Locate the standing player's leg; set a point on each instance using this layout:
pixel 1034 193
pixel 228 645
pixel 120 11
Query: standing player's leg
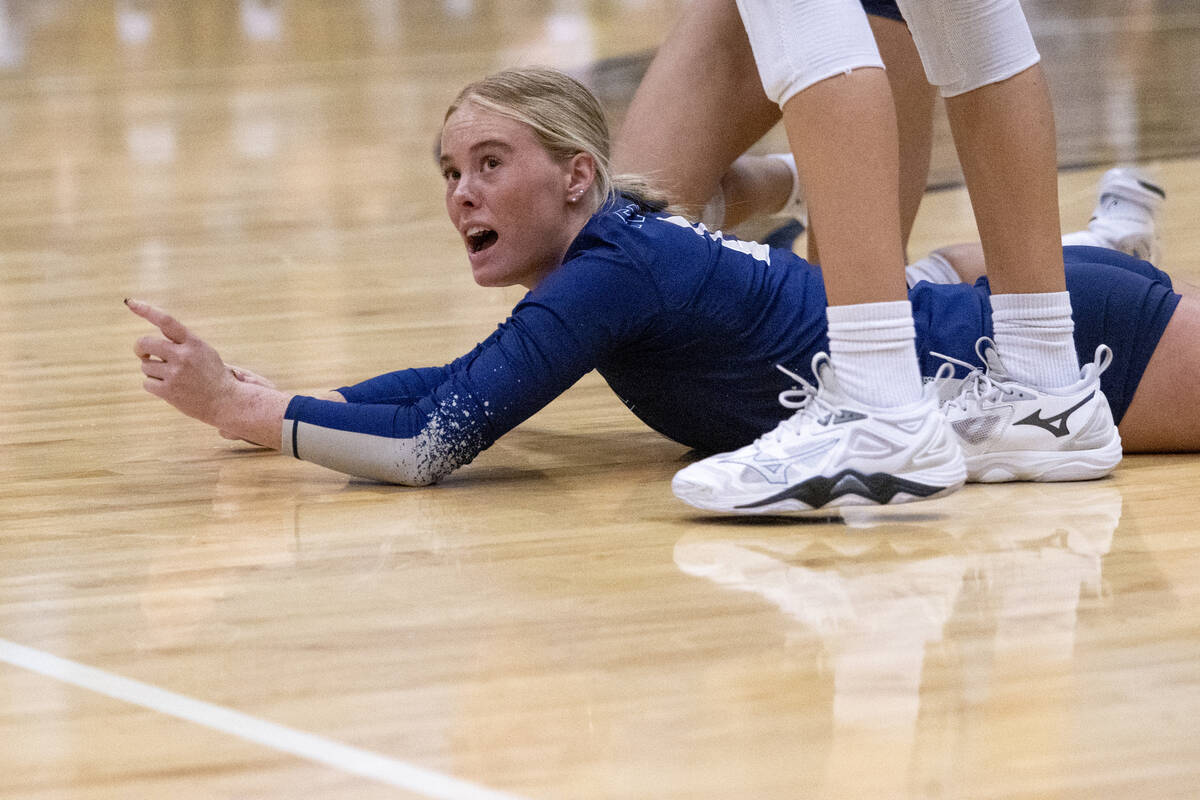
pixel 867 433
pixel 759 188
pixel 982 56
pixel 1004 133
pixel 913 97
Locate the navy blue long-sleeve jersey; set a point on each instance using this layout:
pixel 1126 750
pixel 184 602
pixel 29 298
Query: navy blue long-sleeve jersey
pixel 686 326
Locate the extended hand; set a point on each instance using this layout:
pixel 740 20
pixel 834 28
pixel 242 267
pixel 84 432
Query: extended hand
pixel 184 370
pixel 181 368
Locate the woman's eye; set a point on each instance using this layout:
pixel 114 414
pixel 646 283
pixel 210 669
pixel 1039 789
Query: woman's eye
pixel 491 163
pixel 450 174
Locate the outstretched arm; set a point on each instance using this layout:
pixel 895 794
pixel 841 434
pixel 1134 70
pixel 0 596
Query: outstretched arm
pixel 411 427
pixel 187 372
pixel 383 441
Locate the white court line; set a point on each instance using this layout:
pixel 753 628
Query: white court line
pixel 288 740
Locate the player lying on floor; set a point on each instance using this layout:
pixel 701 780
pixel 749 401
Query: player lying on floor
pixel 684 324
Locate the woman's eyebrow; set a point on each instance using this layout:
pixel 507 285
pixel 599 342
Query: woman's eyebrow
pixel 486 144
pixel 490 144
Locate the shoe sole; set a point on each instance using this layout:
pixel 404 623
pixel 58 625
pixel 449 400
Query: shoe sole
pixel 821 493
pixel 1043 467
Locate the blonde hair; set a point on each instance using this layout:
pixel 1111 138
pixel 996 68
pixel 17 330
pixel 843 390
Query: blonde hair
pixel 566 118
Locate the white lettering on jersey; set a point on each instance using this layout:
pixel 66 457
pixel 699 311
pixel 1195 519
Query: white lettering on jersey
pixel 758 251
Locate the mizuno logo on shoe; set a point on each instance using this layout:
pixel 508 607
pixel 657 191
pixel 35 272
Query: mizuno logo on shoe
pixel 1057 424
pixel 774 469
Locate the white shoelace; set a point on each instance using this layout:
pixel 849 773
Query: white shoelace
pixel 807 402
pixel 984 387
pixel 977 383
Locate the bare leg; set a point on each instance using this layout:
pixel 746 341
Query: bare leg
pixel 1004 134
pixel 914 98
pixel 843 132
pixel 1162 416
pixel 699 107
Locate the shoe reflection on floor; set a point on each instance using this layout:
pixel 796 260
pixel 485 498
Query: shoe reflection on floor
pixel 992 577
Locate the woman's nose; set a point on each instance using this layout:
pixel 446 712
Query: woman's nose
pixel 464 192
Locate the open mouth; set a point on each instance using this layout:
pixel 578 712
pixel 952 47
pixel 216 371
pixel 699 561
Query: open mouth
pixel 480 239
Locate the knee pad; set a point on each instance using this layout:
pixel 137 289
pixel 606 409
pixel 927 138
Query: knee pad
pixel 797 44
pixel 966 44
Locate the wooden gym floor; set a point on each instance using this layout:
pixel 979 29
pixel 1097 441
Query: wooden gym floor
pixel 181 617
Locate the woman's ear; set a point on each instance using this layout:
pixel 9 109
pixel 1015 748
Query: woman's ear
pixel 581 176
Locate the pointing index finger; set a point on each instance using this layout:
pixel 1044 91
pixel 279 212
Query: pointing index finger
pixel 172 328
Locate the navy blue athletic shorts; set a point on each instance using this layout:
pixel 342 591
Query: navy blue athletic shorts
pixel 883 8
pixel 1118 300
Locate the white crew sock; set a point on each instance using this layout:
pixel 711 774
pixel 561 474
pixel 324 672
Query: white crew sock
pixel 1034 337
pixel 872 347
